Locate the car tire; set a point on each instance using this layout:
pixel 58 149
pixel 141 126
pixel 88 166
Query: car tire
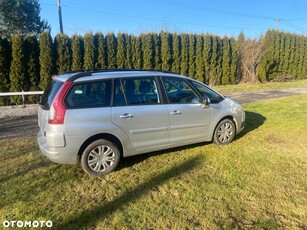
pixel 224 132
pixel 100 158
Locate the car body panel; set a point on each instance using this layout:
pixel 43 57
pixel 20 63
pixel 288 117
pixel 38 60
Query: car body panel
pixel 146 127
pixel 189 122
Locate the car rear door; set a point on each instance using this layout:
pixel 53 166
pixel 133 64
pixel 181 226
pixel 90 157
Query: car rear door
pixel 138 111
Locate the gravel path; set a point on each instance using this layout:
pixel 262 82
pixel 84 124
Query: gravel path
pixel 18 121
pixel 17 111
pixel 264 95
pixel 21 121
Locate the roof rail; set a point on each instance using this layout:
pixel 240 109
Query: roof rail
pixel 89 72
pixel 114 70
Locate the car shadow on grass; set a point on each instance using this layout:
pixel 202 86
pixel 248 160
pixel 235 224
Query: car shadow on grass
pixel 128 162
pixel 28 184
pixel 25 170
pixel 90 218
pixel 252 121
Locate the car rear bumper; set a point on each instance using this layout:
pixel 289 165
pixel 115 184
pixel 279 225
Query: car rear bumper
pixel 56 155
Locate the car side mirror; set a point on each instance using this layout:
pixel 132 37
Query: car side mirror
pixel 205 102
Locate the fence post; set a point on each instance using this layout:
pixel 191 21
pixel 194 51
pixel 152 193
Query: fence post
pixel 23 99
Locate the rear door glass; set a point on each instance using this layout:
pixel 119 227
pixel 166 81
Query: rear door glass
pixel 136 91
pixel 49 94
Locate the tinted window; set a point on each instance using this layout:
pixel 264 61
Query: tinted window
pixel 205 91
pixel 49 94
pixel 89 94
pixel 178 91
pixel 136 91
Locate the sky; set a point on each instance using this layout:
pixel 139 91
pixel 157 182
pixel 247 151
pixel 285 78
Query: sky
pixel 222 17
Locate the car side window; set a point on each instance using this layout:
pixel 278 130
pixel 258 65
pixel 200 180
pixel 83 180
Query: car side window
pixel 136 91
pixel 89 94
pixel 178 91
pixel 205 91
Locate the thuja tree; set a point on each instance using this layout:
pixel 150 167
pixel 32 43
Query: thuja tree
pixel 166 50
pixel 200 66
pixel 302 56
pixel 89 51
pixel 267 62
pixel 226 55
pixel 233 60
pixel 304 73
pixel 240 54
pixel 100 51
pixel 137 55
pixel 176 54
pixel 129 55
pixel 207 53
pixel 293 55
pixel 276 55
pixel 63 53
pixel 147 50
pixel 157 51
pixel 184 64
pixel 32 64
pixel 282 46
pixel 214 61
pixel 5 61
pixel 111 44
pixel 192 56
pixel 286 54
pixel 18 80
pixel 77 48
pixel 219 60
pixel 121 50
pixel 45 59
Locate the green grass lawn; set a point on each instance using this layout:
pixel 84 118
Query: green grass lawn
pixel 257 182
pixel 228 89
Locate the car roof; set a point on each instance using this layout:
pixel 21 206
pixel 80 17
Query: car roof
pixel 78 76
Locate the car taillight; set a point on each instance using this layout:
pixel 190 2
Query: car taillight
pixel 58 109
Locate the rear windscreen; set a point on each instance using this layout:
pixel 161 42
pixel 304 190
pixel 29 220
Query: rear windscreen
pixel 49 94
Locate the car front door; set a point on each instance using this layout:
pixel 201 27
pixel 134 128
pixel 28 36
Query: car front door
pixel 138 111
pixel 189 119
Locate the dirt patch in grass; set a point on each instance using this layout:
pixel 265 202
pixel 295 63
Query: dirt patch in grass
pixel 275 140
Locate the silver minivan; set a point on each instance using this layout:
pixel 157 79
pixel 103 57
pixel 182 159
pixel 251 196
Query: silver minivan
pixel 98 117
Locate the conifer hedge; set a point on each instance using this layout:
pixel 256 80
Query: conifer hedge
pixel 26 63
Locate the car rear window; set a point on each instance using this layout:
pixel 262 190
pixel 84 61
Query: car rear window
pixel 89 94
pixel 49 94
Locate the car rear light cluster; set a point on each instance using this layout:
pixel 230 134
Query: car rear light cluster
pixel 58 109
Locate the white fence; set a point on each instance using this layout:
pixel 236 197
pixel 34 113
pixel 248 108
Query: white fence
pixel 21 94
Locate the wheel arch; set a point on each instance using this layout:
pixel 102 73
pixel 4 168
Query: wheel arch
pixel 105 136
pixel 223 118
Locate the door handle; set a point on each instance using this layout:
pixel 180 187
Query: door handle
pixel 126 115
pixel 176 112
